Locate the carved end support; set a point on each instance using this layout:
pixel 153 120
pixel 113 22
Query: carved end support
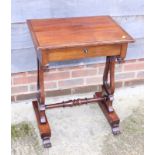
pixel 112 117
pixel 44 128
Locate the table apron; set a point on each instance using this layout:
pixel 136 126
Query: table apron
pixel 55 55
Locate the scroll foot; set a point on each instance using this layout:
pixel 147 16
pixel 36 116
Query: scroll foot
pixel 44 128
pixel 116 130
pixel 112 117
pixel 46 142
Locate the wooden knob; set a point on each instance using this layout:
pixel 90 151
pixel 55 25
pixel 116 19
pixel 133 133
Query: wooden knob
pixel 85 50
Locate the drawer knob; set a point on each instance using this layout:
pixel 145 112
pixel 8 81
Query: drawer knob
pixel 85 50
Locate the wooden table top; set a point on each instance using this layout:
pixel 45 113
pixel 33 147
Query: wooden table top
pixel 78 31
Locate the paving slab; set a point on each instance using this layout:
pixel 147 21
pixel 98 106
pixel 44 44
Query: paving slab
pixel 82 130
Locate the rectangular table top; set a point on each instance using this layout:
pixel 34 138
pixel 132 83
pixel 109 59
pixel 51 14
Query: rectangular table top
pixel 77 31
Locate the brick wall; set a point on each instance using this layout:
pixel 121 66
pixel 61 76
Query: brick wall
pixel 77 79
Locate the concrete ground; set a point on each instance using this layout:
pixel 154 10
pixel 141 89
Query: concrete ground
pixel 82 130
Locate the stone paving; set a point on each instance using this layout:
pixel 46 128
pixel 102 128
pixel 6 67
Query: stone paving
pixel 82 130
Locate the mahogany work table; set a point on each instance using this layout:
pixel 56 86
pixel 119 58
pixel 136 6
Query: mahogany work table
pixel 60 39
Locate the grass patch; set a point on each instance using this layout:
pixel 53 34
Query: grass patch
pixel 131 140
pixel 25 139
pixel 21 130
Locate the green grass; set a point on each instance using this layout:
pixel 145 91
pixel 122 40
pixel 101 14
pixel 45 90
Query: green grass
pixel 21 130
pixel 131 140
pixel 25 139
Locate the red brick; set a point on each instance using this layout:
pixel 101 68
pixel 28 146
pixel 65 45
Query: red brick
pixel 21 74
pixel 84 72
pixel 70 68
pixel 19 89
pixel 50 85
pixel 134 82
pixel 47 94
pixel 33 87
pixel 70 83
pixel 101 70
pixel 47 85
pixel 118 68
pixel 58 92
pixel 134 66
pixel 51 70
pixel 141 59
pixel 99 81
pixel 95 65
pixel 32 73
pixel 26 97
pixel 11 81
pixel 12 98
pixel 140 74
pixel 84 89
pixel 118 84
pixel 24 80
pixel 130 61
pixel 121 76
pixel 57 76
pixel 94 80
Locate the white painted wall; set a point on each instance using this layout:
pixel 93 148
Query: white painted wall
pixel 128 13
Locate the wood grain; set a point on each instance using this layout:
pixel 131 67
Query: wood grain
pixel 20 36
pixel 85 52
pixel 123 50
pixel 76 32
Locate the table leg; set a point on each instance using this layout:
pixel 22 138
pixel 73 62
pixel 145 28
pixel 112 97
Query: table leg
pixel 108 92
pixel 39 108
pixel 41 93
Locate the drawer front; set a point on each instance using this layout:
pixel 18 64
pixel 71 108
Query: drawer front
pixel 85 52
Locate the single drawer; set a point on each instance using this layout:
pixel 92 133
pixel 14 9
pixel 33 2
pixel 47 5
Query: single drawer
pixel 82 52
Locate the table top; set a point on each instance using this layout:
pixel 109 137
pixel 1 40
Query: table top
pixel 77 31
